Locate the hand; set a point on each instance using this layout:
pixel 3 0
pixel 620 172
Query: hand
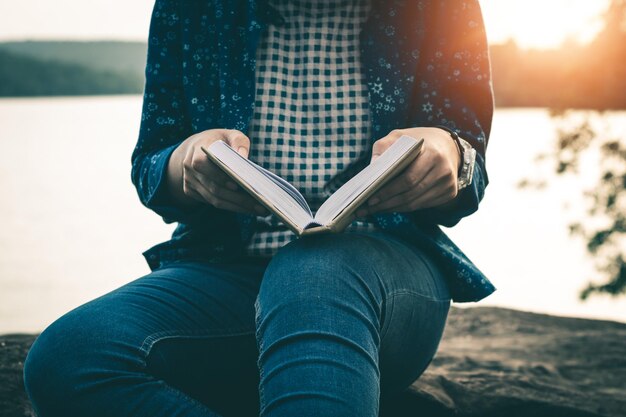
pixel 193 178
pixel 429 181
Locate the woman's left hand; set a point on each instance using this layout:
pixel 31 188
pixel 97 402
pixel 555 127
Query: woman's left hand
pixel 429 181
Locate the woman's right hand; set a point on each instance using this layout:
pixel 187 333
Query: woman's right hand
pixel 193 177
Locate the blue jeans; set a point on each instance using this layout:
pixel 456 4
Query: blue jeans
pixel 329 327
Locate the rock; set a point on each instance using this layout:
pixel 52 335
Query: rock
pixel 491 362
pixel 13 399
pixel 499 362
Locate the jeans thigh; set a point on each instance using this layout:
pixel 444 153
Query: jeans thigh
pixel 189 300
pixel 218 371
pixel 414 313
pixel 168 337
pixel 389 286
pixel 206 345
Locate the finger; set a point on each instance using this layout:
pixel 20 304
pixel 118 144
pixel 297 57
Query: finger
pixel 198 162
pixel 434 197
pixel 220 197
pixel 443 178
pixel 222 204
pixel 413 176
pixel 237 198
pixel 439 175
pixel 382 144
pixel 195 195
pixel 198 192
pixel 379 147
pixel 240 198
pixel 239 142
pixel 205 170
pixel 212 173
pixel 404 199
pixel 226 205
pixel 412 180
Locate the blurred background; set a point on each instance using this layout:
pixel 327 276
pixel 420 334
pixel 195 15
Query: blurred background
pixel 549 233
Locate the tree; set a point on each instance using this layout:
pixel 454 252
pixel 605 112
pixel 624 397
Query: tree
pixel 607 57
pixel 604 227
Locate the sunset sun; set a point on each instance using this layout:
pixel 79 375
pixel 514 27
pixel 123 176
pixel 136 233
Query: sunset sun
pixel 543 24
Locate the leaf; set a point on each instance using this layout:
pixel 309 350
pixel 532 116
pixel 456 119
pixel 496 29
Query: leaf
pixel 597 240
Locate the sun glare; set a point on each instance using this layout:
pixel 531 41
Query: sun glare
pixel 543 23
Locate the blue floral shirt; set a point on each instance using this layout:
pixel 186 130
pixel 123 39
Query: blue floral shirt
pixel 425 62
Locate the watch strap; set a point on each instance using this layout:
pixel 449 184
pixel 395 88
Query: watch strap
pixel 468 158
pixel 457 140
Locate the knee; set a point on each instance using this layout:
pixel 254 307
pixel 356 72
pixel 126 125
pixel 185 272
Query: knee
pixel 47 371
pixel 324 267
pixel 325 283
pixel 63 359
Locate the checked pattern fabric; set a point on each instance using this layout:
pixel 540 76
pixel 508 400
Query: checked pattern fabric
pixel 311 123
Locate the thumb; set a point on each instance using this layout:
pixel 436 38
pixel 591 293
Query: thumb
pixel 239 142
pixel 380 146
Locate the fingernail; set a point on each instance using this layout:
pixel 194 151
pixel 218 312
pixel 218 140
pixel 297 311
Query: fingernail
pixel 374 157
pixel 231 185
pixel 373 201
pixel 242 151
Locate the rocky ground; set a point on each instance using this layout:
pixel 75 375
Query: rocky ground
pixel 491 363
pixel 13 400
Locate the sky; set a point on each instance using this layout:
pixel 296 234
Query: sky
pixel 531 23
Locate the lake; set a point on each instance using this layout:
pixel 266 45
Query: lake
pixel 73 228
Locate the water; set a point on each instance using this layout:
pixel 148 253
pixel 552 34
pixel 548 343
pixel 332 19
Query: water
pixel 73 228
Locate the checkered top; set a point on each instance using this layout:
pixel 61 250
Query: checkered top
pixel 311 123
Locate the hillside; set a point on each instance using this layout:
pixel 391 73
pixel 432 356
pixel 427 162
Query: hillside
pixel 121 57
pixel 22 75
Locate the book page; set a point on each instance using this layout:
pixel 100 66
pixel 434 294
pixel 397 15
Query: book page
pixel 285 185
pixel 282 195
pixel 360 183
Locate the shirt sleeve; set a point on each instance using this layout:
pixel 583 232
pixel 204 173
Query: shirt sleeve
pixel 164 124
pixel 454 89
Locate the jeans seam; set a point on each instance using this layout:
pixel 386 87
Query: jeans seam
pixel 190 400
pixel 154 338
pixel 417 294
pixel 259 341
pixel 405 292
pixel 384 329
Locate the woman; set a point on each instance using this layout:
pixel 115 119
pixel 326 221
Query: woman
pixel 239 317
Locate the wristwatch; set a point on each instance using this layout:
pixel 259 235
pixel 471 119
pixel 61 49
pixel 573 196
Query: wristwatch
pixel 467 166
pixel 468 158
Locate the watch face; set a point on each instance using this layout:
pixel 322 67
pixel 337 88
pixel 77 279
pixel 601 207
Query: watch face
pixel 466 145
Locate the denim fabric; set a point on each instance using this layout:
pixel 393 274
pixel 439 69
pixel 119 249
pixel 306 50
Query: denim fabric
pixel 329 327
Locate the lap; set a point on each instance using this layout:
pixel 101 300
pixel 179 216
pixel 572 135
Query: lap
pixel 203 299
pixel 192 324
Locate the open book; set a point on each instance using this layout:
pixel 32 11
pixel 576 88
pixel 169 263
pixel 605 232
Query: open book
pixel 286 202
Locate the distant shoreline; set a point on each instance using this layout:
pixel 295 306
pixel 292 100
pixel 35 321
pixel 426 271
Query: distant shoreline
pixel 139 95
pixel 71 97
